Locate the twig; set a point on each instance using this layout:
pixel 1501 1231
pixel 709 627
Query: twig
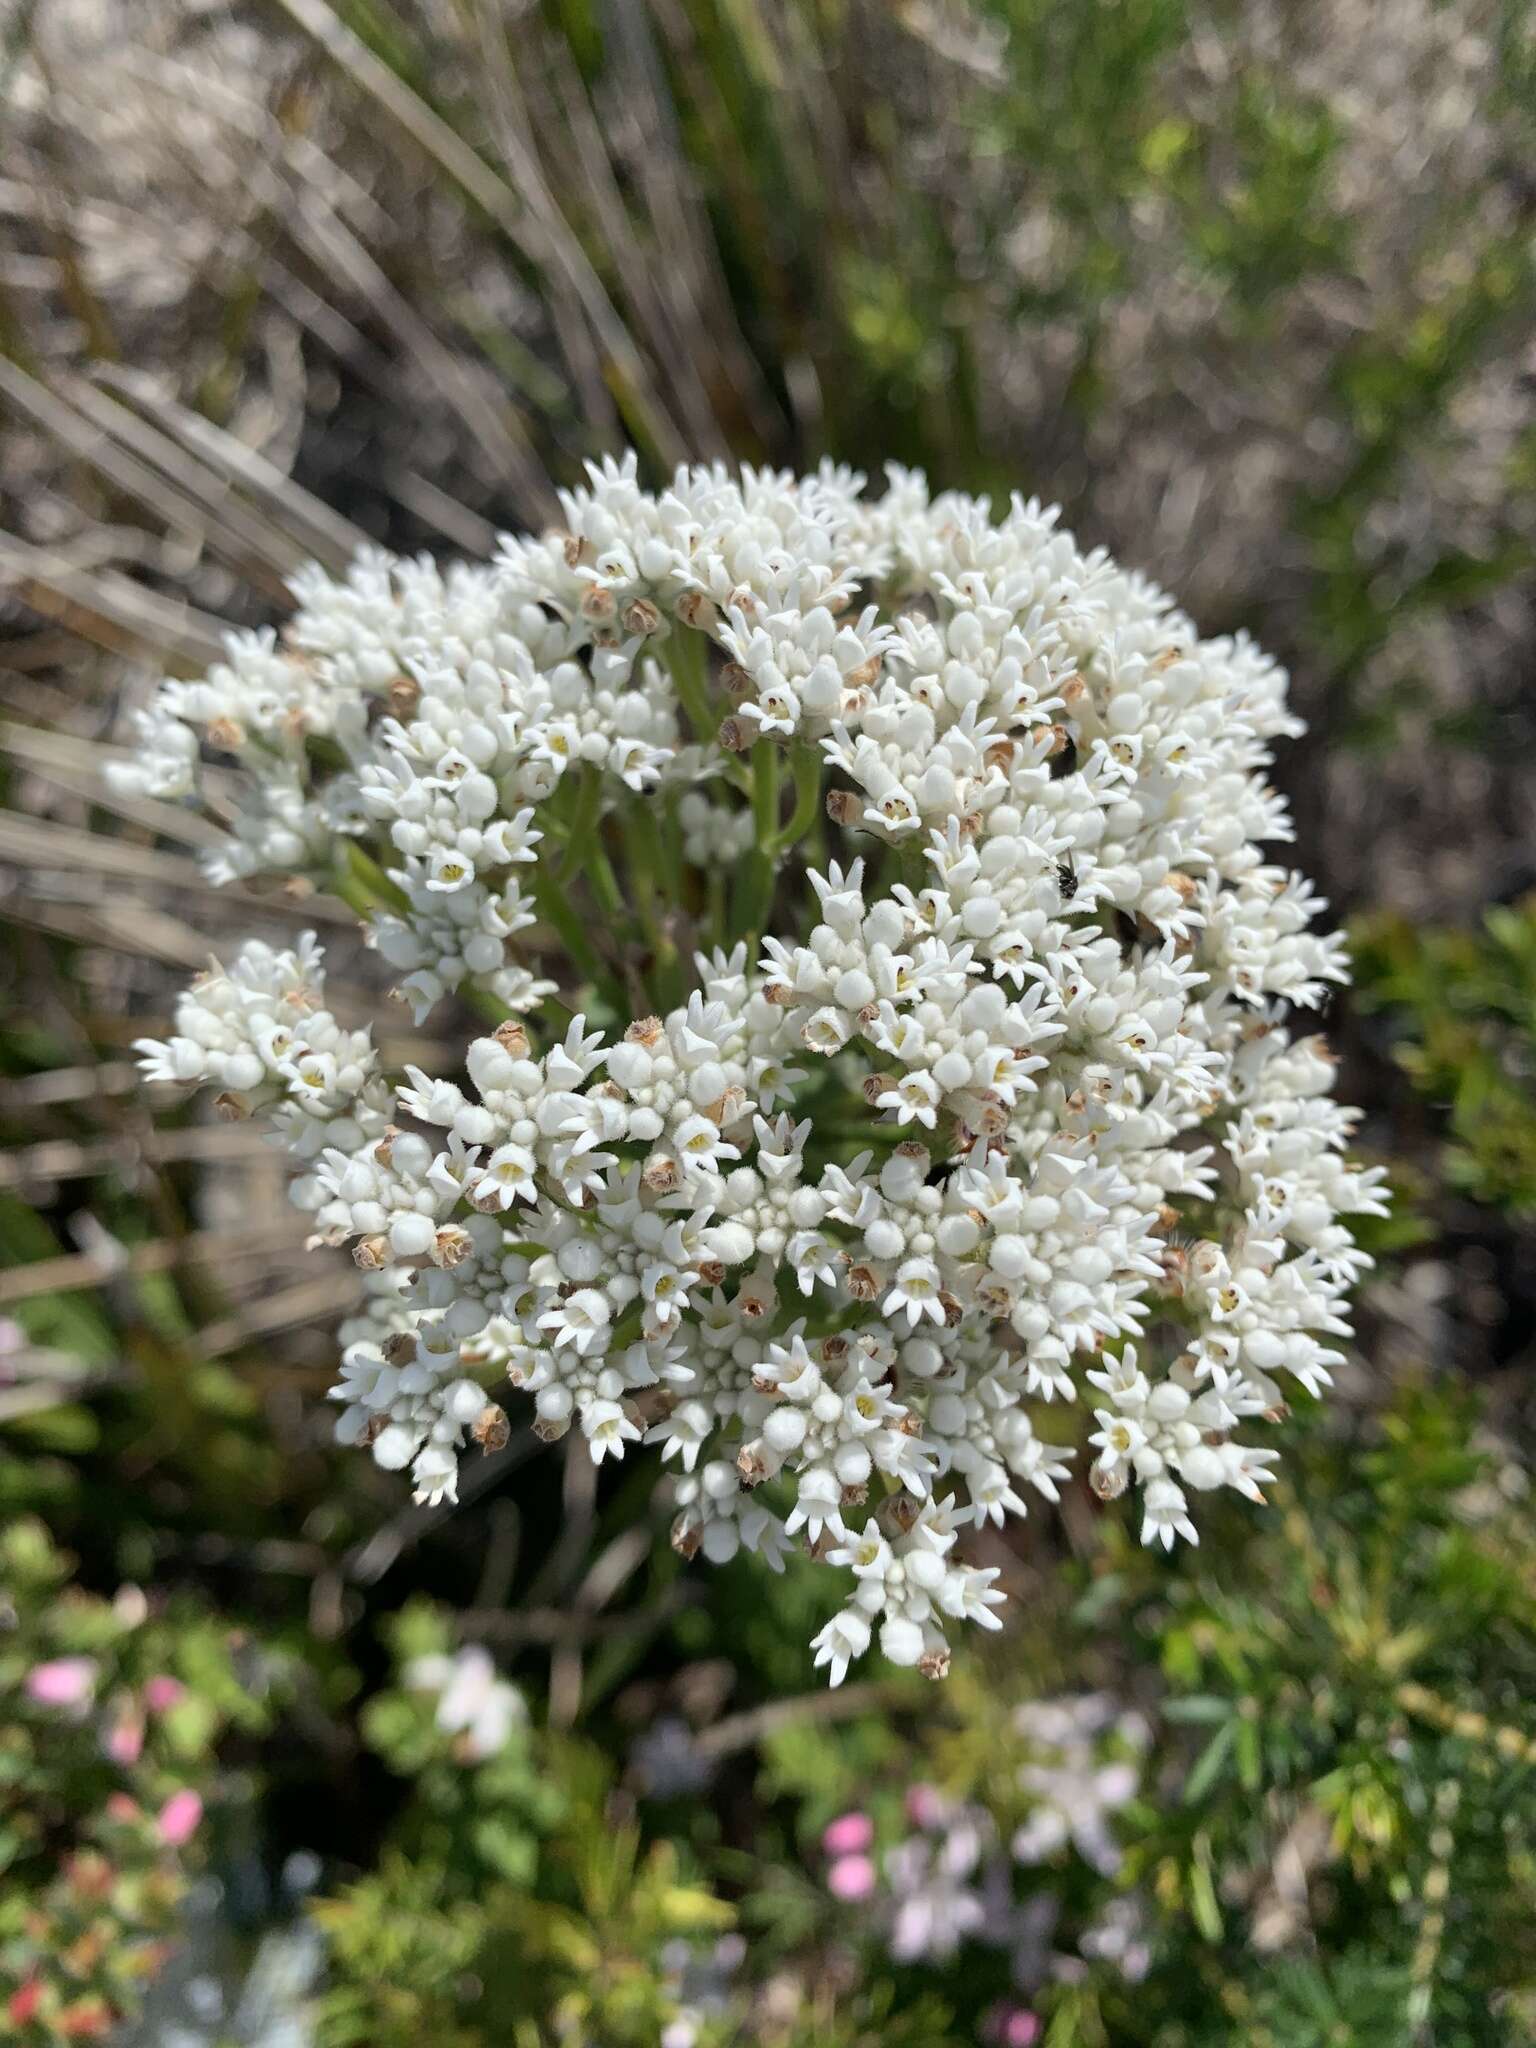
pixel 742 1731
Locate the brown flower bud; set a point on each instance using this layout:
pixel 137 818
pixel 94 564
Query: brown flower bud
pixel 934 1663
pixel 901 1511
pixel 641 618
pixel 727 1108
pixel 735 735
pixel 227 734
pixel 512 1037
pixel 661 1174
pixel 862 1282
pixel 686 1538
pixel 399 1347
pixel 452 1246
pixel 993 1120
pixel 1175 1264
pixel 403 696
pixel 698 611
pixel 491 1430
pixel 550 1428
pixel 230 1108
pixel 1108 1481
pixel 844 807
pixel 371 1253
pixel 598 603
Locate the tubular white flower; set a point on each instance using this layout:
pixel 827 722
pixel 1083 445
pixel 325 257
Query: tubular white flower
pixel 1002 1107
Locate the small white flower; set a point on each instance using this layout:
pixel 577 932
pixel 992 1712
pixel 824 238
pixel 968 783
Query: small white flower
pixel 473 1702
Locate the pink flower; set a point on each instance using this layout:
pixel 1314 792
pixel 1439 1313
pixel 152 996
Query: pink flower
pixel 125 1738
pixel 179 1818
pixel 66 1682
pixel 24 2003
pixel 1011 2026
pixel 162 1693
pixel 851 1877
pixel 849 1835
pixel 926 1806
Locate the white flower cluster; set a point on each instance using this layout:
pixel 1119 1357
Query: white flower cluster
pixel 894 1009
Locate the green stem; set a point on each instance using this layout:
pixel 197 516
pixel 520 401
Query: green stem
pixel 555 906
pixel 688 659
pixel 362 884
pixel 765 793
pixel 911 860
pixel 806 761
pixel 584 819
pixel 585 850
pixel 647 861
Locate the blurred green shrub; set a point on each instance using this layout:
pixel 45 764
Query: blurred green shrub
pixel 1461 1006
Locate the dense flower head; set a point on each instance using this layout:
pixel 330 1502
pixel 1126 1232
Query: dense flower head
pixel 895 1042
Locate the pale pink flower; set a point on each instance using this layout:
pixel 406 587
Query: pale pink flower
pixel 849 1835
pixel 163 1692
pixel 926 1806
pixel 65 1682
pixel 179 1818
pixel 124 1741
pixel 851 1878
pixel 1012 2026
